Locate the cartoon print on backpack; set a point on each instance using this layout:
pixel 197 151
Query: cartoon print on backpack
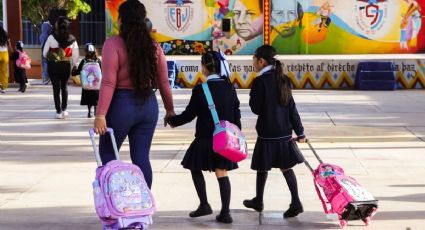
pixel 91 76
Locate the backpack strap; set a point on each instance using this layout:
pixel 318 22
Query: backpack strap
pixel 211 104
pixel 325 206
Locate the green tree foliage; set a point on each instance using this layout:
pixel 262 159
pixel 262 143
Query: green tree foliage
pixel 37 11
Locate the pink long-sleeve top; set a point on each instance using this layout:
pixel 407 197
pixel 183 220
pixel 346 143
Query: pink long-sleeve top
pixel 116 74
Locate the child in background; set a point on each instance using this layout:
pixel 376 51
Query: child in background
pixel 89 97
pixel 20 73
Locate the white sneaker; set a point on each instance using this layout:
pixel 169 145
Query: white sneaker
pixel 65 113
pixel 59 116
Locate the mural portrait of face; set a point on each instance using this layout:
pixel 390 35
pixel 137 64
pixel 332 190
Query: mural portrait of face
pixel 286 16
pixel 248 18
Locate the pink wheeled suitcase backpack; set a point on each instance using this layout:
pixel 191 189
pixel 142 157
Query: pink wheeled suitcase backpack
pixel 228 140
pixel 121 196
pixel 347 198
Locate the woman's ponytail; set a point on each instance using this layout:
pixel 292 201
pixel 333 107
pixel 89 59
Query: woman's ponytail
pixel 283 84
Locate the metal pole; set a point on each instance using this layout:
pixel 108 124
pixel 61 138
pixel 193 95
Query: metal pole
pixel 14 25
pixel 4 14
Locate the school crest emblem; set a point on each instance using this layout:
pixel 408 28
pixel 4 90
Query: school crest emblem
pixel 179 14
pixel 371 15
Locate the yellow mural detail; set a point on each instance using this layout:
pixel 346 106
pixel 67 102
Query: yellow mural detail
pixel 411 83
pixel 325 81
pixel 188 82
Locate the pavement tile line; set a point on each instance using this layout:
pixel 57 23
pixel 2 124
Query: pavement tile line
pixel 378 137
pixel 20 194
pixel 420 138
pixel 359 161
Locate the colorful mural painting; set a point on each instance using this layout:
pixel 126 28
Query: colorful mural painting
pixel 247 20
pixel 189 27
pixel 183 27
pixel 291 26
pixel 308 74
pixel 347 27
pixel 111 15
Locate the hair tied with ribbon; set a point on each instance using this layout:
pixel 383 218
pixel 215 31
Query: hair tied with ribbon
pixel 224 64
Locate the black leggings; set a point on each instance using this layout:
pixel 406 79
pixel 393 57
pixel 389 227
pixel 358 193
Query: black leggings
pixel 60 84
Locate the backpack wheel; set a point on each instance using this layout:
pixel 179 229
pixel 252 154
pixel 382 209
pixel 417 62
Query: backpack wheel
pixel 343 223
pixel 367 221
pixel 374 210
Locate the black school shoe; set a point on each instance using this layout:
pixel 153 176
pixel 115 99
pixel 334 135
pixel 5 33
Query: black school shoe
pixel 293 210
pixel 254 204
pixel 203 210
pixel 225 218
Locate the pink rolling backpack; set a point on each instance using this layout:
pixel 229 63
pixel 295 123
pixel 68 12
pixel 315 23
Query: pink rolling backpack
pixel 228 140
pixel 347 198
pixel 121 196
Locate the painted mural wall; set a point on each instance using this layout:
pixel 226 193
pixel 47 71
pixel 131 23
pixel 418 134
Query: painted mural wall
pixel 191 27
pixel 347 26
pixel 291 26
pixel 308 74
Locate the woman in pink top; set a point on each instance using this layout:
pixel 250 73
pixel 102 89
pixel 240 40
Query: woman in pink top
pixel 133 68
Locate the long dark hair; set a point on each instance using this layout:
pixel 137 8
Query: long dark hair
pixel 268 53
pixel 140 46
pixel 62 34
pixel 4 38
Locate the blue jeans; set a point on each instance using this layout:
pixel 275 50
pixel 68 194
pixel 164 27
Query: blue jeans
pixel 44 73
pixel 128 116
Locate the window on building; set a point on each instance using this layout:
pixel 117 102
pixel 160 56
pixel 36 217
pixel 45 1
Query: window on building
pixel 92 25
pixel 30 37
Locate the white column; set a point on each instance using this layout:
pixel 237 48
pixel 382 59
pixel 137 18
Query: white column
pixel 5 14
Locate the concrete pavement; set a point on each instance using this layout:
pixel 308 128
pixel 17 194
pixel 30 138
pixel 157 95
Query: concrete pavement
pixel 47 165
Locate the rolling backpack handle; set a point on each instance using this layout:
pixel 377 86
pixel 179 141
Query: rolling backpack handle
pixel 314 152
pixel 96 149
pixel 316 186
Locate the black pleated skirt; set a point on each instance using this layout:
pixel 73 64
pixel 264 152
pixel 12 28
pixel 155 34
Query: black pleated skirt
pixel 268 154
pixel 89 97
pixel 200 156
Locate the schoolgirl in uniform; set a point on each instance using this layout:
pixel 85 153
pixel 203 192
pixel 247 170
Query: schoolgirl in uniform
pixel 200 155
pixel 90 98
pixel 20 73
pixel 272 101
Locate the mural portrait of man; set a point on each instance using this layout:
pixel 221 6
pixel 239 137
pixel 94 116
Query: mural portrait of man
pixel 247 28
pixel 248 18
pixel 286 25
pixel 286 16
